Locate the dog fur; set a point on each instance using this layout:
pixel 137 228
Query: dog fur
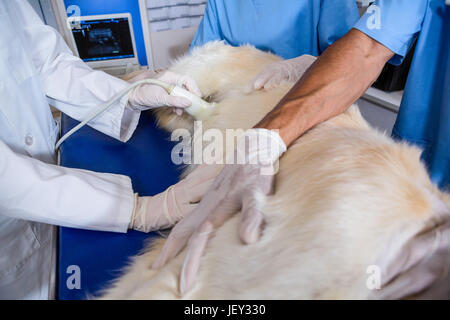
pixel 346 195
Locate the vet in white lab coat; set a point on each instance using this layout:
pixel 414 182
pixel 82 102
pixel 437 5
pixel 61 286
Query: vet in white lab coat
pixel 37 68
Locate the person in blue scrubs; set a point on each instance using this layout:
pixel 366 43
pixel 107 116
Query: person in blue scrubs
pixel 424 117
pixel 337 79
pixel 288 28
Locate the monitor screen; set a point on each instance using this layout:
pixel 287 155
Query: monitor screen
pixel 104 39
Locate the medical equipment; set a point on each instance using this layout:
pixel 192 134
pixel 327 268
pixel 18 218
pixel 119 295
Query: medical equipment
pixel 105 42
pixel 199 109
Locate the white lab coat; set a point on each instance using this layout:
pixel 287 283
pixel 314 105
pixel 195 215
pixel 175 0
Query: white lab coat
pixel 37 68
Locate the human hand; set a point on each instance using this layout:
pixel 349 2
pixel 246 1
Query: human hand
pixel 167 208
pixel 149 96
pixel 237 187
pixel 287 70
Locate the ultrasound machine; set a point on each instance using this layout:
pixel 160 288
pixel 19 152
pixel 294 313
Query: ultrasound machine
pixel 106 42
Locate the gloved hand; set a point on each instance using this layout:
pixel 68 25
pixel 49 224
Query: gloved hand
pixel 150 96
pixel 167 208
pixel 237 187
pixel 421 268
pixel 287 70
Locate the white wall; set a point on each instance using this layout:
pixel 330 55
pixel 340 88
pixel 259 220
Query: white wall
pixel 170 44
pixel 36 6
pixel 45 11
pixel 172 25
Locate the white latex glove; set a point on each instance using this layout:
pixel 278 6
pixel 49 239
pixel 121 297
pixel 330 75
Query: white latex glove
pixel 421 268
pixel 150 96
pixel 237 187
pixel 167 208
pixel 287 70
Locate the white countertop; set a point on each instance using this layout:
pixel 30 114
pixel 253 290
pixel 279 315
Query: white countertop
pixel 388 100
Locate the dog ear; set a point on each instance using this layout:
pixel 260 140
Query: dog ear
pixel 419 267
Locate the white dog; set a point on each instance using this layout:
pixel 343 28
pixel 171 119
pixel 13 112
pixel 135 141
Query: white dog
pixel 346 196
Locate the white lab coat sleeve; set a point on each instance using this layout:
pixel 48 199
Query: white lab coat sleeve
pixel 70 84
pixel 36 191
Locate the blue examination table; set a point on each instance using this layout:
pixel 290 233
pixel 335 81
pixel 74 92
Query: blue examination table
pixel 146 160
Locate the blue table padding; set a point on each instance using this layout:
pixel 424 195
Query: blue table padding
pixel 146 160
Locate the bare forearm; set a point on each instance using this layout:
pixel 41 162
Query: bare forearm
pixel 336 80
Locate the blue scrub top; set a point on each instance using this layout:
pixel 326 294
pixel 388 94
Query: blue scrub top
pixel 424 116
pixel 288 28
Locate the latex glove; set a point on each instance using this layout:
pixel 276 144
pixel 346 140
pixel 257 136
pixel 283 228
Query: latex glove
pixel 287 70
pixel 167 208
pixel 238 187
pixel 421 268
pixel 150 96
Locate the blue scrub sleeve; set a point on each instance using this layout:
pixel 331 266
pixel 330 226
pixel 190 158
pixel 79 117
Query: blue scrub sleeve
pixel 337 17
pixel 395 24
pixel 209 29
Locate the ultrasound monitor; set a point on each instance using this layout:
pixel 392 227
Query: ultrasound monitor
pixel 104 41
